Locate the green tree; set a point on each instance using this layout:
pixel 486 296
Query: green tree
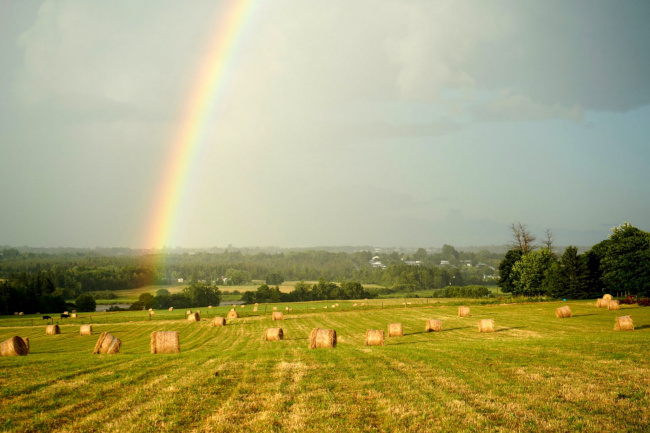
pixel 626 261
pixel 238 277
pixel 529 274
pixel 274 279
pixel 506 281
pixel 571 276
pixel 85 302
pixel 202 294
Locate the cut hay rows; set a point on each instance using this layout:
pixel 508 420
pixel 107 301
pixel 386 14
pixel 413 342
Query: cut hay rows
pixel 395 330
pixel 165 342
pixel 52 330
pixel 15 346
pixel 194 317
pixel 277 316
pixel 232 314
pixel 374 337
pixel 107 344
pixel 613 305
pixel 86 330
pixel 433 325
pixel 322 338
pixel 486 325
pixel 624 323
pixel 274 334
pixel 463 311
pixel 219 321
pixel 563 312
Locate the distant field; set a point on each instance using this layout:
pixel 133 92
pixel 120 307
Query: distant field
pixel 535 373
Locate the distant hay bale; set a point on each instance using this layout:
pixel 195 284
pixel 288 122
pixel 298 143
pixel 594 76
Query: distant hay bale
pixel 463 311
pixel 624 323
pixel 363 304
pixel 602 303
pixel 194 317
pixel 254 309
pixel 433 325
pixel 242 306
pixel 65 312
pixel 321 338
pixel 171 308
pixel 198 311
pixel 275 308
pixel 334 306
pixel 354 305
pixel 73 315
pixel 21 314
pixel 287 309
pixel 209 306
pixel 150 309
pixel 26 341
pixel 232 314
pixel 188 312
pixel 277 316
pixel 325 306
pixel 374 337
pixel 15 346
pixel 256 304
pixel 395 330
pixel 613 305
pixel 607 297
pixel 86 330
pixel 52 330
pixel 15 313
pixel 563 312
pixel 219 321
pixel 107 344
pixel 486 325
pixel 165 342
pixel 274 334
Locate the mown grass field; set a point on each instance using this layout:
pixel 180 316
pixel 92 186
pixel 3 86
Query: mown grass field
pixel 535 373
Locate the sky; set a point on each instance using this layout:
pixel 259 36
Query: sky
pixel 379 122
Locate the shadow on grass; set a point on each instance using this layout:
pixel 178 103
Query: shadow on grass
pixel 584 314
pixel 510 329
pixel 642 327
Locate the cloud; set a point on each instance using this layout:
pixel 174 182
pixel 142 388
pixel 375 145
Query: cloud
pixel 521 108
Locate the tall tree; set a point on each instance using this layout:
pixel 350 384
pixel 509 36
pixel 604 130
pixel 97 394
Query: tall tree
pixel 523 240
pixel 505 270
pixel 626 262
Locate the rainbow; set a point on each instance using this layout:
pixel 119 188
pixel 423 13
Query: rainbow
pixel 189 139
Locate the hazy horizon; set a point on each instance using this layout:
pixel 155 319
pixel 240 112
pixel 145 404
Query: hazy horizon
pixel 412 124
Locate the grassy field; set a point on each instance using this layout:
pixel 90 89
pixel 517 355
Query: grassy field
pixel 535 373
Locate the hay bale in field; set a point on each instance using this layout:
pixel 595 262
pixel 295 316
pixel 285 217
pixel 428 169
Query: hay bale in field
pixel 463 311
pixel 194 317
pixel 86 330
pixel 486 325
pixel 52 329
pixel 188 312
pixel 15 313
pixel 274 334
pixel 613 305
pixel 15 346
pixel 65 312
pixel 26 341
pixel 73 315
pixel 107 344
pixel 325 306
pixel 242 306
pixel 21 314
pixel 198 311
pixel 254 309
pixel 287 309
pixel 277 316
pixel 209 306
pixel 150 309
pixel 602 303
pixel 607 297
pixel 320 338
pixel 624 323
pixel 395 330
pixel 165 342
pixel 433 325
pixel 334 306
pixel 563 312
pixel 171 308
pixel 219 321
pixel 232 314
pixel 363 304
pixel 374 337
pixel 275 308
pixel 354 305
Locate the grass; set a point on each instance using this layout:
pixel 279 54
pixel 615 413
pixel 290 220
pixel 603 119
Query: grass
pixel 535 373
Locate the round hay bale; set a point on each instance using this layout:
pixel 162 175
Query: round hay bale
pixel 219 321
pixel 254 309
pixel 321 338
pixel 165 342
pixel 65 312
pixel 188 312
pixel 26 341
pixel 15 313
pixel 363 304
pixel 374 337
pixel 607 297
pixel 334 306
pixel 107 344
pixel 325 306
pixel 354 305
pixel 256 304
pixel 73 315
pixel 242 306
pixel 194 317
pixel 15 346
pixel 275 308
pixel 171 308
pixel 86 330
pixel 150 309
pixel 624 323
pixel 613 305
pixel 486 325
pixel 463 311
pixel 286 309
pixel 21 314
pixel 395 330
pixel 209 306
pixel 602 303
pixel 198 311
pixel 232 314
pixel 274 334
pixel 563 312
pixel 52 330
pixel 433 325
pixel 277 316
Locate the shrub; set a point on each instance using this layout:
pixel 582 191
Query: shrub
pixel 85 302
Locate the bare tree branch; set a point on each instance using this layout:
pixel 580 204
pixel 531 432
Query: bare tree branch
pixel 523 240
